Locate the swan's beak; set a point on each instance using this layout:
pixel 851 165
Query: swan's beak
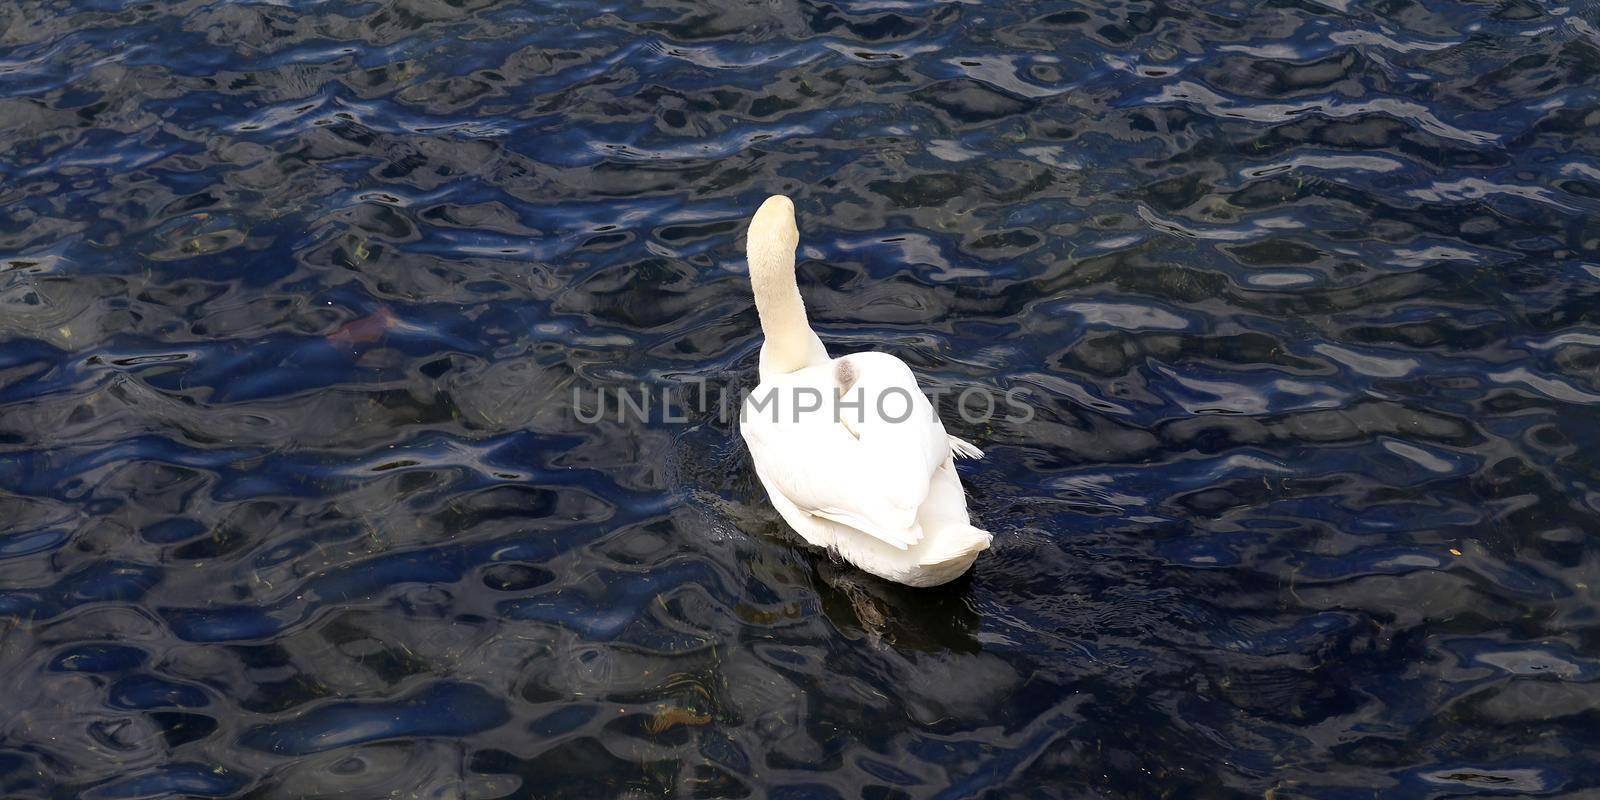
pixel 774 222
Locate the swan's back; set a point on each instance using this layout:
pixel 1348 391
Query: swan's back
pixel 854 457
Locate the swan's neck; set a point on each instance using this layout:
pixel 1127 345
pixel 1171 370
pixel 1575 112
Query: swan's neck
pixel 789 340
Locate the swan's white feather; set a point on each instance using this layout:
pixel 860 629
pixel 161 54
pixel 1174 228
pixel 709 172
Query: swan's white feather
pixel 871 474
pixel 960 448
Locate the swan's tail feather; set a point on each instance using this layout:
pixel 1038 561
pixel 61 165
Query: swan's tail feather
pixel 954 545
pixel 964 449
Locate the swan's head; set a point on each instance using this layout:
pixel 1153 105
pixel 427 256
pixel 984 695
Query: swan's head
pixel 772 230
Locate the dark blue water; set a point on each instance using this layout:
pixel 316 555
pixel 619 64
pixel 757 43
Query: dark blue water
pixel 295 300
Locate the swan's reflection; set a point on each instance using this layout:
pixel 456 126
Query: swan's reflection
pixel 934 620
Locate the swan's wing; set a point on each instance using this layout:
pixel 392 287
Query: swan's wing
pixel 821 469
pixel 871 474
pixel 902 439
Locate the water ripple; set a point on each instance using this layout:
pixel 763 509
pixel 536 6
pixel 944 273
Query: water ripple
pixel 298 302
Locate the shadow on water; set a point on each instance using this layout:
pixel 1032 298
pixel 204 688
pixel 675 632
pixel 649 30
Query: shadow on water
pixel 934 621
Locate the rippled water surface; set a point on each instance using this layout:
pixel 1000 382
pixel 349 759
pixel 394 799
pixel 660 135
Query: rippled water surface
pixel 296 299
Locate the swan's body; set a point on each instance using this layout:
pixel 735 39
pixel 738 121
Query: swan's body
pixel 849 449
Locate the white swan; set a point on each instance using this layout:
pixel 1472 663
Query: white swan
pixel 849 449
